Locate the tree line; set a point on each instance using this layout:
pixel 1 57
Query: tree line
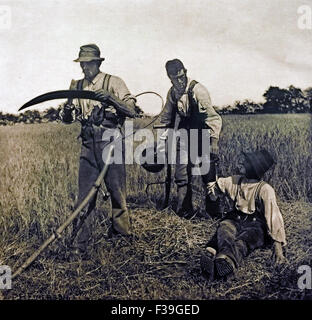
pixel 277 100
pixel 29 116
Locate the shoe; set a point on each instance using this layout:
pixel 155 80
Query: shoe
pixel 224 265
pixel 112 234
pixel 207 263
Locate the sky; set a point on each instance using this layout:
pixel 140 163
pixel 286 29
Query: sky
pixel 236 48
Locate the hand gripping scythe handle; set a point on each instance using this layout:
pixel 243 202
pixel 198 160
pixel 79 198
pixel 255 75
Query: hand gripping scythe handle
pixel 57 233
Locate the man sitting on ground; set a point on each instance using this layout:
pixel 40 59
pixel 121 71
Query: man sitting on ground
pixel 255 220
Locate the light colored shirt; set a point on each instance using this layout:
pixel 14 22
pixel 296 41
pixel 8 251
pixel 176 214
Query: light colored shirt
pixel 245 202
pixel 116 86
pixel 202 98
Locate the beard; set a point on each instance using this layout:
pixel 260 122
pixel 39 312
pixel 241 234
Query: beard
pixel 90 75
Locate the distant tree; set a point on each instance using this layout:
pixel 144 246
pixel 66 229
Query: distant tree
pixel 30 116
pixel 51 114
pixel 308 99
pixel 2 119
pixel 225 110
pixel 22 118
pixel 298 100
pixel 11 118
pixel 277 100
pixel 244 107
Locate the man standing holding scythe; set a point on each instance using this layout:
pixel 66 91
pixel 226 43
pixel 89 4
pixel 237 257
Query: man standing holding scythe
pixel 96 119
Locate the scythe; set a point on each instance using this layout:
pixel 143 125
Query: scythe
pixel 57 233
pixel 80 94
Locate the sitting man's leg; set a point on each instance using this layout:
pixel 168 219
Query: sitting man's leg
pixel 250 237
pixel 226 259
pixel 220 246
pixel 231 252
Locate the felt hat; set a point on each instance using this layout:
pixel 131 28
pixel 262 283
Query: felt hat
pixel 88 53
pixel 261 161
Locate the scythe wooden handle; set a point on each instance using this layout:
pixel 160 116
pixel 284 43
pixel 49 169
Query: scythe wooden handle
pixel 57 233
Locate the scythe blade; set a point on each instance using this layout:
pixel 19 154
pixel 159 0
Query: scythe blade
pixel 60 94
pixel 79 94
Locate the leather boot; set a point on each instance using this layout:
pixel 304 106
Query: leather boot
pixel 185 205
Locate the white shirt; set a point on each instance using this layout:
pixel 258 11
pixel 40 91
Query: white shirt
pixel 245 202
pixel 116 86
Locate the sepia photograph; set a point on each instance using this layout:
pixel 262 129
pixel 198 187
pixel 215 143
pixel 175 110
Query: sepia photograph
pixel 156 151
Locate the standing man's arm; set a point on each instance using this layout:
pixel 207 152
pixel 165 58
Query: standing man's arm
pixel 119 89
pixel 68 112
pixel 168 115
pixel 211 118
pixel 275 222
pixel 119 92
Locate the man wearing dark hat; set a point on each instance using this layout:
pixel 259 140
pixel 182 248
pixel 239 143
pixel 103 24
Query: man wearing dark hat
pixel 188 107
pixel 96 119
pixel 254 222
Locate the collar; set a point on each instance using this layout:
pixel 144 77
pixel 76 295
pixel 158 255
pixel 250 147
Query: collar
pixel 96 78
pixel 250 181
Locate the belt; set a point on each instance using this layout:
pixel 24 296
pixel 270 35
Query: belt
pixel 242 217
pixel 246 217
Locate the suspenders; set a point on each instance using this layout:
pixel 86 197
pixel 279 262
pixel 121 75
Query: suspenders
pixel 255 194
pixel 79 84
pixel 105 85
pixel 190 96
pixel 106 81
pixel 79 87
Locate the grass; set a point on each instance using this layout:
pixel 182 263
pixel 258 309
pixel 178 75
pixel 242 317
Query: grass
pixel 38 186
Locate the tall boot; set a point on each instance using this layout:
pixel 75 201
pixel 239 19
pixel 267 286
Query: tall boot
pixel 185 205
pixel 121 221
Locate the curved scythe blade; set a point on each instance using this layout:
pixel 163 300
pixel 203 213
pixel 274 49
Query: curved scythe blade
pixel 60 94
pixel 79 94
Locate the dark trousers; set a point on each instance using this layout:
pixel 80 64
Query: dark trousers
pixel 183 171
pixel 238 235
pixel 90 166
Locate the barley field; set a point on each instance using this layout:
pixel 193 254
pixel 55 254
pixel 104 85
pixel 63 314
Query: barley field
pixel 38 188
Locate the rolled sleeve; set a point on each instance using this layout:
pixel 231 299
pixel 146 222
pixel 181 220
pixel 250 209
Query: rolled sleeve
pixel 229 185
pixel 212 118
pixel 119 89
pixel 272 213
